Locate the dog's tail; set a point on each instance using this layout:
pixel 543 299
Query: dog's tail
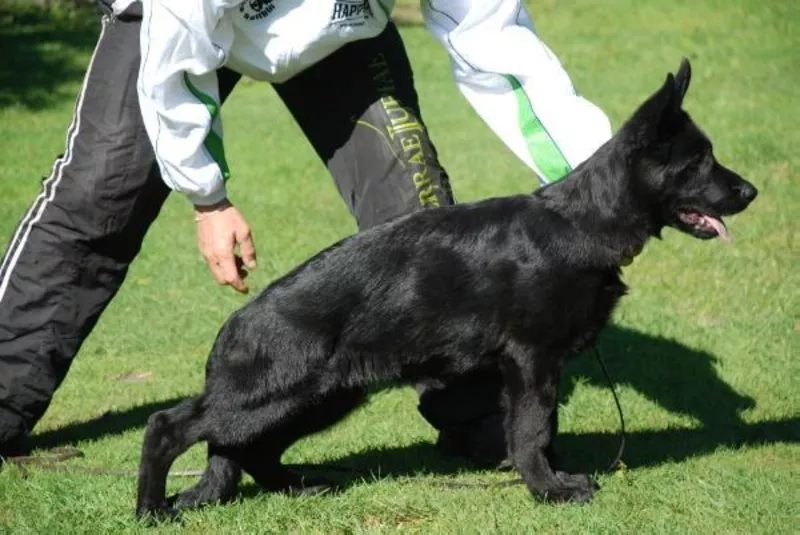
pixel 169 433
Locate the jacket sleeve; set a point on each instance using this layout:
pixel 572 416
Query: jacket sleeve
pixel 179 95
pixel 516 84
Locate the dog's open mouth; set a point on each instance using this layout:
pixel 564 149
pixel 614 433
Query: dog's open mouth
pixel 704 224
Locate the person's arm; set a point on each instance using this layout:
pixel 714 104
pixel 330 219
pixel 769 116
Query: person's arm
pixel 183 44
pixel 179 95
pixel 516 84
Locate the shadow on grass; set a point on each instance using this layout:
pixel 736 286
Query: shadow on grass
pixel 589 452
pixel 586 452
pixel 108 424
pixel 678 378
pixel 40 51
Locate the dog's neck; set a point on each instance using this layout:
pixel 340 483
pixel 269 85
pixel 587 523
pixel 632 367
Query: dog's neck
pixel 598 200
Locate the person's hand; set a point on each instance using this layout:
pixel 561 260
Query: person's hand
pixel 220 229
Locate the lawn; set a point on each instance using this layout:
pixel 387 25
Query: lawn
pixel 704 350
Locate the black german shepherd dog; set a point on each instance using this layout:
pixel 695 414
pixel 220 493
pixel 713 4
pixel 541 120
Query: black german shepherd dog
pixel 518 283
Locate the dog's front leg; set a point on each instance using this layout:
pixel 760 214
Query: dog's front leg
pixel 549 450
pixel 532 383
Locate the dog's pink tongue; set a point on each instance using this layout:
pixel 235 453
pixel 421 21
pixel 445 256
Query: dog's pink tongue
pixel 718 226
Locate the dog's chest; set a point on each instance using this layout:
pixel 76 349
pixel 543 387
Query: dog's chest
pixel 569 309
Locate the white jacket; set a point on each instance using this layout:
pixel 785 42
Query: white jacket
pixel 510 77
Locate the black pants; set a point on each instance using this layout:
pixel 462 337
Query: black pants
pixel 71 251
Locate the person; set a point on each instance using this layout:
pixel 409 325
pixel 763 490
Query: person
pixel 147 121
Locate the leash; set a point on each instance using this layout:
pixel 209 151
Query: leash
pixel 52 462
pixel 57 456
pixel 617 462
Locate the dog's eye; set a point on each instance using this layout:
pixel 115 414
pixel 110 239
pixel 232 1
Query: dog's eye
pixel 705 163
pixel 700 164
pixel 693 169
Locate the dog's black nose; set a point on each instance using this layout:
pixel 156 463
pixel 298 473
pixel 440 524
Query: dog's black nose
pixel 746 191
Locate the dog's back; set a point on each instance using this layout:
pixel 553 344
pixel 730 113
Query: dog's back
pixel 430 294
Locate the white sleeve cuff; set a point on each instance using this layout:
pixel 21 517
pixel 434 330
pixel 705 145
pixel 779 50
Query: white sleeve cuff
pixel 207 199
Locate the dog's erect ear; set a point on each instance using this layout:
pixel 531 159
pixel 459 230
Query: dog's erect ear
pixel 646 121
pixel 682 79
pixel 656 116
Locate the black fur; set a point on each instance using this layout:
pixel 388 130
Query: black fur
pixel 518 283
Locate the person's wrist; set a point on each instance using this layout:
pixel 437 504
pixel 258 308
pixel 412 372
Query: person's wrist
pixel 203 211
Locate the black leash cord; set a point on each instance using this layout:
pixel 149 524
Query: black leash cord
pixel 615 464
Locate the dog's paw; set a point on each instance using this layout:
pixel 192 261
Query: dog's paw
pixel 163 514
pixel 197 497
pixel 185 500
pixel 577 480
pixel 574 488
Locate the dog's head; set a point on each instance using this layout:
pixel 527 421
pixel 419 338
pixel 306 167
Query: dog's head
pixel 677 175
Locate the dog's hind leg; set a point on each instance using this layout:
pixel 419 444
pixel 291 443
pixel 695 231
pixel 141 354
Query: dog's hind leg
pixel 531 381
pixel 219 483
pixel 262 460
pixel 169 433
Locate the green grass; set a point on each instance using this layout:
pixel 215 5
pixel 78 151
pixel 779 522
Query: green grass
pixel 704 348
